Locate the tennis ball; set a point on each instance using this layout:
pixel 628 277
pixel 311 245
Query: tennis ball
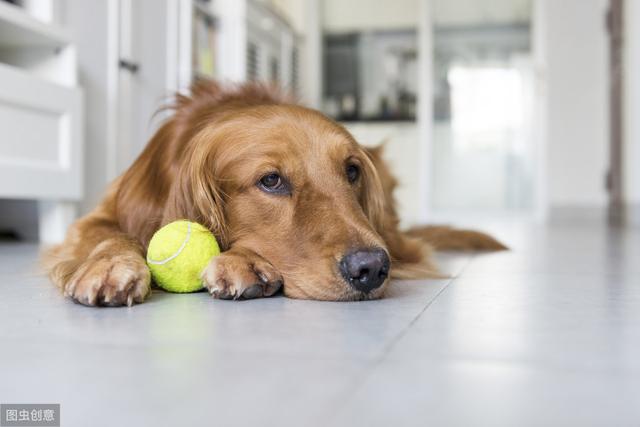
pixel 178 253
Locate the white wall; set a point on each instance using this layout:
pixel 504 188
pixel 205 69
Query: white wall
pixel 577 102
pixel 632 105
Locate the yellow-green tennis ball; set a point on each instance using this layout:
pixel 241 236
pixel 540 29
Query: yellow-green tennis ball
pixel 178 253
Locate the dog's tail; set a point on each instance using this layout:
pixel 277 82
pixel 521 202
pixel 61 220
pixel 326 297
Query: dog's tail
pixel 445 238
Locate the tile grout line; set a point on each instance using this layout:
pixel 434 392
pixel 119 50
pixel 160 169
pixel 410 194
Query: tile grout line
pixel 387 349
pixel 385 352
pixel 403 332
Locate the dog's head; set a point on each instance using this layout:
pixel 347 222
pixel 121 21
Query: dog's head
pixel 286 182
pixel 296 188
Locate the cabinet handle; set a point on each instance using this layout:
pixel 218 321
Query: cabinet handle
pixel 130 66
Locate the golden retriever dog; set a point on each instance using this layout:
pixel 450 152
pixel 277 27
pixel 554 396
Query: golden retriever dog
pixel 295 202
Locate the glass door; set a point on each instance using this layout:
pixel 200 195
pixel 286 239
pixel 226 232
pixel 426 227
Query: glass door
pixel 482 157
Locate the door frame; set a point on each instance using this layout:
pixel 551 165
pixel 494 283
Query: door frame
pixel 615 174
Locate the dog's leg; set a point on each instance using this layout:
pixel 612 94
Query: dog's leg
pixel 241 273
pixel 444 238
pixel 98 264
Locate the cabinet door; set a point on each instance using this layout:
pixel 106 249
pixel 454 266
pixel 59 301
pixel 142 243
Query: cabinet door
pixel 40 147
pixel 148 37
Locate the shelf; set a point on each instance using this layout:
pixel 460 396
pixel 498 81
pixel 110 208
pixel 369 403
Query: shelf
pixel 19 29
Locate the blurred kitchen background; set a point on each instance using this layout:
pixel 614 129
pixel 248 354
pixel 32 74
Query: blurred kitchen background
pixel 512 110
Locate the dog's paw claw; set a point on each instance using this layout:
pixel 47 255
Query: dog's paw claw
pixel 110 281
pixel 241 274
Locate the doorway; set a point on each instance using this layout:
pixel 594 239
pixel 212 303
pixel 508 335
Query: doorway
pixel 483 152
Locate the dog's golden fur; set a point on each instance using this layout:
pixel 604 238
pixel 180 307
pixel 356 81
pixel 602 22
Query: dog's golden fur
pixel 203 165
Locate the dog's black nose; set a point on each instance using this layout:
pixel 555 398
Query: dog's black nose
pixel 366 268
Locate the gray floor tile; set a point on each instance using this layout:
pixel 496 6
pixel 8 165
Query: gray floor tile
pixel 174 385
pixel 34 310
pixel 573 322
pixel 19 258
pixel 493 394
pixel 546 334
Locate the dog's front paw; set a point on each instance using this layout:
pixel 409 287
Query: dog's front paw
pixel 110 281
pixel 240 273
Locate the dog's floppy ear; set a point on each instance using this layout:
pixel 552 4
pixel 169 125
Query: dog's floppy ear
pixel 372 196
pixel 174 177
pixel 196 194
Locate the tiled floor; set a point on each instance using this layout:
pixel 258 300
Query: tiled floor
pixel 545 335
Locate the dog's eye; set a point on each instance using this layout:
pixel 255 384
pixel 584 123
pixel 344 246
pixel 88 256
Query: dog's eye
pixel 353 172
pixel 272 180
pixel 273 183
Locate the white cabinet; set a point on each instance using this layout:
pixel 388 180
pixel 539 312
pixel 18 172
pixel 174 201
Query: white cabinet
pixel 40 116
pixel 256 43
pixel 271 47
pixel 40 154
pixel 250 41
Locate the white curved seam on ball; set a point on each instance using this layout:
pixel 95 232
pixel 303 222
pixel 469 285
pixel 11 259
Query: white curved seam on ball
pixel 180 249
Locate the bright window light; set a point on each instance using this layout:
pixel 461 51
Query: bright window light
pixel 487 105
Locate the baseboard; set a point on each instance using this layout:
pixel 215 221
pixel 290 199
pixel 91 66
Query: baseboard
pixel 633 215
pixel 21 217
pixel 590 213
pixel 578 213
